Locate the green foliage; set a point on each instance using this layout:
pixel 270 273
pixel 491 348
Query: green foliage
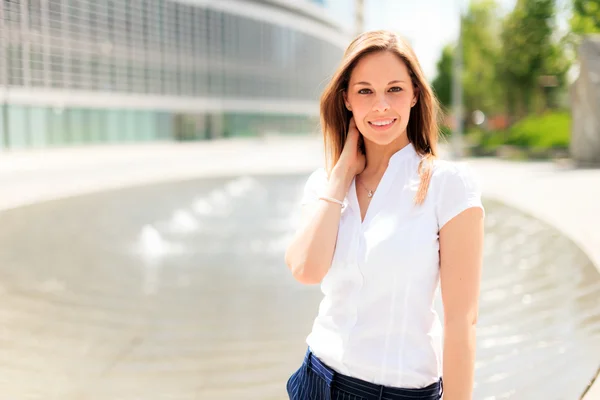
pixel 515 67
pixel 547 131
pixel 526 38
pixel 442 84
pixel 481 52
pixel 551 130
pixel 529 52
pixel 512 66
pixel 586 16
pixel 486 141
pixel 481 47
pixel 445 131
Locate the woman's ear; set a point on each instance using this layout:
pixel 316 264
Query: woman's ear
pixel 415 97
pixel 346 102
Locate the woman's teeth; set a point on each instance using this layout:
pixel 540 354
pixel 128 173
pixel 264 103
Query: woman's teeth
pixel 382 123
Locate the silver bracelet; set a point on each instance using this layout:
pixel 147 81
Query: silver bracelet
pixel 332 200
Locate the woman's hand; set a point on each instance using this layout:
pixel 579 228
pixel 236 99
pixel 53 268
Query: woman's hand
pixel 310 254
pixel 352 160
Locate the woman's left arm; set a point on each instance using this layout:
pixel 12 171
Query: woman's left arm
pixel 461 255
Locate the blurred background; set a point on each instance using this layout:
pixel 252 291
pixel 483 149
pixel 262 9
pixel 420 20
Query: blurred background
pixel 152 158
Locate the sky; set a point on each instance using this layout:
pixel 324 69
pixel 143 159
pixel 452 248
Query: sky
pixel 428 24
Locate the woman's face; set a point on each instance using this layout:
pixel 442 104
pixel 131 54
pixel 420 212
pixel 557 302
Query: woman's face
pixel 380 95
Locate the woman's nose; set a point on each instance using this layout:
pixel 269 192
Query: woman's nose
pixel 381 105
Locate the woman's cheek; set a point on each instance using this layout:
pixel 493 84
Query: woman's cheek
pixel 362 126
pixel 402 103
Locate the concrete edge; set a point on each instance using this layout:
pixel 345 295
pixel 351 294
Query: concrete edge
pixel 592 390
pixel 540 215
pixel 76 188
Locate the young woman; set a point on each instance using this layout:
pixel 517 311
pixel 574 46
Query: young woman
pixel 383 225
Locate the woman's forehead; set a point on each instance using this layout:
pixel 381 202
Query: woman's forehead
pixel 380 67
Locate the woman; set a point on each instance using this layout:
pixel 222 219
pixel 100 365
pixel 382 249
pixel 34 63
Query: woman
pixel 383 225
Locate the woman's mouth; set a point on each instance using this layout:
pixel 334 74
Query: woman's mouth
pixel 382 124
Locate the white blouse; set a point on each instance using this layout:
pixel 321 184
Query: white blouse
pixel 377 320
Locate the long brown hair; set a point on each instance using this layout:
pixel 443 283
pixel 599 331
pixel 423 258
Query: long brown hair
pixel 423 126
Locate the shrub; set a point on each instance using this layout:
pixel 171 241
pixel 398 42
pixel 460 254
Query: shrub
pixel 548 131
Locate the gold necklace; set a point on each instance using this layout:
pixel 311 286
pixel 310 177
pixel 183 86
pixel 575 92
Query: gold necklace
pixel 369 191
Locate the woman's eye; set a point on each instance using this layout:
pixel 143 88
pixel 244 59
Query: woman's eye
pixel 368 91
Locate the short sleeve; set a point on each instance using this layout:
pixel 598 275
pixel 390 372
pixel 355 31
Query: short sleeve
pixel 460 190
pixel 314 187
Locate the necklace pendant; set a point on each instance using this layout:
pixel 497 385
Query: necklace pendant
pixel 370 194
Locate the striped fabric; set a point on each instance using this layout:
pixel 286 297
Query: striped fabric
pixel 316 381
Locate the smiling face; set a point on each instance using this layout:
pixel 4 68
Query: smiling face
pixel 380 95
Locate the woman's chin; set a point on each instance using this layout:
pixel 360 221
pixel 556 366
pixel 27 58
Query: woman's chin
pixel 382 138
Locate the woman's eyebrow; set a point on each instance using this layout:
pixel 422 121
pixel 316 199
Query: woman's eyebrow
pixel 367 83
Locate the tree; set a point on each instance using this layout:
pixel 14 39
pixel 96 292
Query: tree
pixel 480 37
pixel 481 51
pixel 514 66
pixel 529 53
pixel 442 84
pixel 586 16
pixel 554 73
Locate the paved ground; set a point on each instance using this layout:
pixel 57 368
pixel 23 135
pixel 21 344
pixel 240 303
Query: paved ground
pixel 27 177
pixel 558 194
pixel 565 198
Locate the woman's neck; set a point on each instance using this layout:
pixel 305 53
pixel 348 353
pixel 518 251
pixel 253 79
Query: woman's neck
pixel 378 156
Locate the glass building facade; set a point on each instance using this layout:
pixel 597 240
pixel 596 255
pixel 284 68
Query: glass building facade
pixel 342 12
pixel 97 71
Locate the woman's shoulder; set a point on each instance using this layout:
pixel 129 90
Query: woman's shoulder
pixel 457 175
pixel 457 187
pixel 446 169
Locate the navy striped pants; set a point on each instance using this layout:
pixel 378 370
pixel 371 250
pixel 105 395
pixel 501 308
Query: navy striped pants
pixel 316 381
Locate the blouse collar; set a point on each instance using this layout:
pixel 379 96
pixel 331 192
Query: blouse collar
pixel 403 154
pixel 408 152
